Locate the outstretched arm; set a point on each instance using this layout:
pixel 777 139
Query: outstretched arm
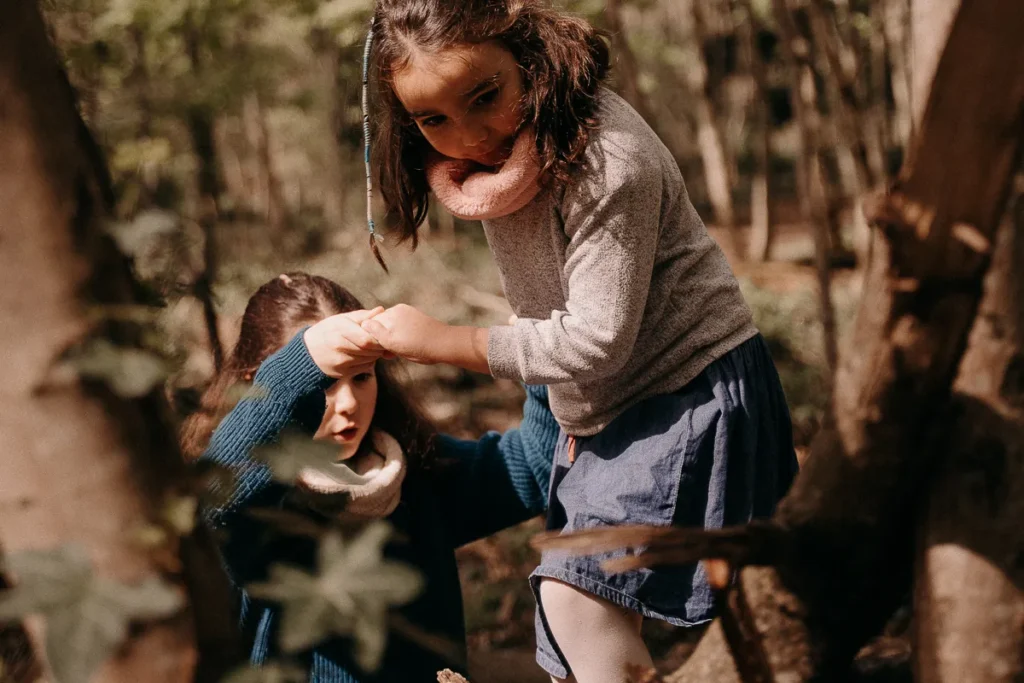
pixel 499 480
pixel 613 232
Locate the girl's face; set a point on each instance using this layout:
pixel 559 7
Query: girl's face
pixel 466 100
pixel 351 402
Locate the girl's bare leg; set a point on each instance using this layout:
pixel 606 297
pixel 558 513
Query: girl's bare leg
pixel 597 638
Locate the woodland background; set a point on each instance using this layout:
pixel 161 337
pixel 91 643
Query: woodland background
pixel 231 133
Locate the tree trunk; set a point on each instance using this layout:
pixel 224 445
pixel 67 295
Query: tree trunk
pixel 969 583
pixel 816 203
pixel 896 23
pixel 709 136
pixel 82 464
pixel 199 120
pixel 258 133
pixel 328 58
pixel 762 226
pixel 930 22
pixel 852 136
pixel 626 69
pixel 850 515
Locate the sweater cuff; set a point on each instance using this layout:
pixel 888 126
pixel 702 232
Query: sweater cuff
pixel 501 352
pixel 292 368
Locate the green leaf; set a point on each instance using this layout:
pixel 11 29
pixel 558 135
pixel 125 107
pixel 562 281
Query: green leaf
pixel 350 594
pixel 87 616
pixel 295 452
pixel 129 372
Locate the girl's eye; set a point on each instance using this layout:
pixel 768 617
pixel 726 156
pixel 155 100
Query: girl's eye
pixel 432 122
pixel 363 377
pixel 487 98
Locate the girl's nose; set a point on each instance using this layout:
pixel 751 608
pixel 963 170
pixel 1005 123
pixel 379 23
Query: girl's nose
pixel 344 400
pixel 474 136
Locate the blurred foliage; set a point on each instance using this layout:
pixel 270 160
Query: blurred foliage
pixel 87 616
pixel 349 594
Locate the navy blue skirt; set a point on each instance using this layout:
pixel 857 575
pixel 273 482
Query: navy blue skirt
pixel 716 453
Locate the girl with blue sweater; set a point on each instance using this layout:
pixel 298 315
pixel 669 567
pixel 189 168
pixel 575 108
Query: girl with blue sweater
pixel 301 348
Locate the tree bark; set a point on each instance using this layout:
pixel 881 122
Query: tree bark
pixel 969 581
pixel 929 24
pixel 82 464
pixel 851 511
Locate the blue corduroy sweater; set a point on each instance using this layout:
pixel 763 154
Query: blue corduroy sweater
pixel 485 486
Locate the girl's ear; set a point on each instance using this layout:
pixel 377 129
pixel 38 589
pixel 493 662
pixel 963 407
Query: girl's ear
pixel 247 376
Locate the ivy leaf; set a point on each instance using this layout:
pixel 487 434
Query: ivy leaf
pixel 129 372
pixel 87 616
pixel 349 595
pixel 295 452
pixel 270 673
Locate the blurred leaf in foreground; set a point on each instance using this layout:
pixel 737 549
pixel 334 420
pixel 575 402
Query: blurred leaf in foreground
pixel 295 452
pixel 129 372
pixel 87 616
pixel 349 595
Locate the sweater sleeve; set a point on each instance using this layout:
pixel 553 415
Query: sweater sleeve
pixel 612 220
pixel 501 479
pixel 283 380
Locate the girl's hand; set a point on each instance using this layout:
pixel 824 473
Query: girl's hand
pixel 406 332
pixel 340 347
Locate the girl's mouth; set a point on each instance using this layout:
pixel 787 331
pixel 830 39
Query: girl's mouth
pixel 347 435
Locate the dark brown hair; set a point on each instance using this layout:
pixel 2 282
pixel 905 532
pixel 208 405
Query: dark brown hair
pixel 563 59
pixel 277 310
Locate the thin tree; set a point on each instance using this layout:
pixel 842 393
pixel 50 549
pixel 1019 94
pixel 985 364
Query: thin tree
pixel 814 186
pixel 199 119
pixel 762 227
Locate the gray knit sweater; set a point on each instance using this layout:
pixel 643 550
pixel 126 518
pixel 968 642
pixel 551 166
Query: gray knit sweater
pixel 621 293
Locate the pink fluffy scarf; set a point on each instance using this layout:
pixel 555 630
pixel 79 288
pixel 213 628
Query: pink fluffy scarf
pixel 474 192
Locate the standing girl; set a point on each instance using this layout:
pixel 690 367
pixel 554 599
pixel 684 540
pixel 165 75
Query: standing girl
pixel 670 407
pixel 299 345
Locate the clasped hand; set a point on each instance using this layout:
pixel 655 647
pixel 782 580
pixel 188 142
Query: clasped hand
pixel 350 343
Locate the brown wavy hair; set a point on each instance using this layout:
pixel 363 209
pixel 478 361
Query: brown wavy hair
pixel 276 311
pixel 563 59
